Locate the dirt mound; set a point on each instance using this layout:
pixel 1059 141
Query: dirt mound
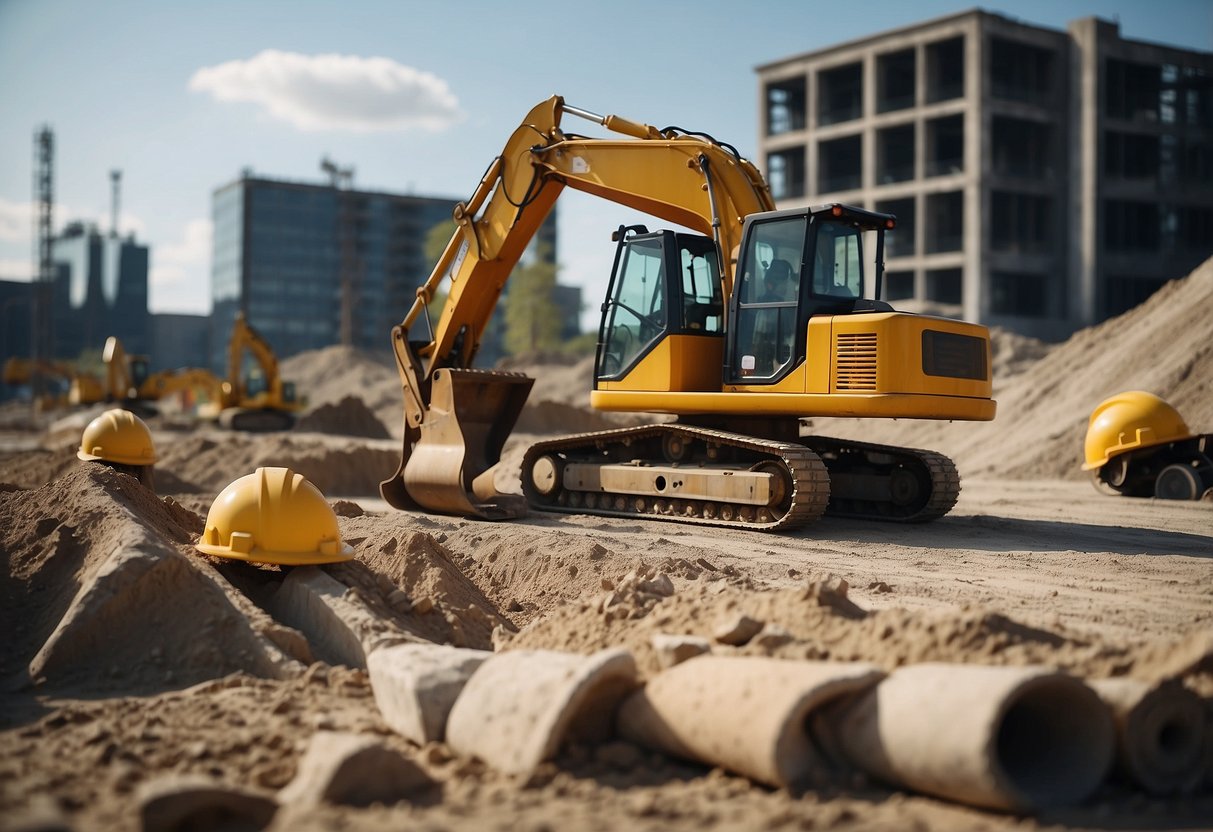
pixel 1164 346
pixel 338 466
pixel 1012 354
pixel 327 376
pixel 348 417
pixel 97 589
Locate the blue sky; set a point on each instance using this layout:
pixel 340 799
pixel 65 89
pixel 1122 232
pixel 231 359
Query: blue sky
pixel 182 95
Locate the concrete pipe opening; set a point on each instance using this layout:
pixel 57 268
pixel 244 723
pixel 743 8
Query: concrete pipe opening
pixel 1053 744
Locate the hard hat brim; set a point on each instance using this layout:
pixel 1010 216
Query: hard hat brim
pixel 258 555
pixel 121 460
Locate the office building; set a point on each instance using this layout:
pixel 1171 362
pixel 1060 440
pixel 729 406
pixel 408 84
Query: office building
pixel 1043 180
pixel 179 341
pixel 100 290
pixel 315 265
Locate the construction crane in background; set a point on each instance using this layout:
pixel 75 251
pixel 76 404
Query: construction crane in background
pixel 115 194
pixel 42 291
pixel 342 180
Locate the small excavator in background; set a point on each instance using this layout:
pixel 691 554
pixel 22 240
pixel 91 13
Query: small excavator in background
pixel 130 382
pixel 758 319
pixel 1138 445
pixel 260 400
pixel 73 383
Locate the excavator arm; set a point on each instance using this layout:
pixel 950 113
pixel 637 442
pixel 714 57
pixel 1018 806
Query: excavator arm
pixel 456 419
pixel 245 338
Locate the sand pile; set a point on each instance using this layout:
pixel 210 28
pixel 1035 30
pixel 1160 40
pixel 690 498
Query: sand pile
pixel 1164 346
pixel 327 376
pixel 98 591
pixel 338 466
pixel 348 417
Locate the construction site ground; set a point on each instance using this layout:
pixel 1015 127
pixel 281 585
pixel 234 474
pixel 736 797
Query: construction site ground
pixel 1033 566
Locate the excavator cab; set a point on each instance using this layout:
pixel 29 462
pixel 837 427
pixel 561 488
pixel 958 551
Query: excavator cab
pixel 662 284
pixel 796 264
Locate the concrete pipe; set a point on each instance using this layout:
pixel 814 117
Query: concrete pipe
pixel 747 714
pixel 1160 733
pixel 520 706
pixel 1015 738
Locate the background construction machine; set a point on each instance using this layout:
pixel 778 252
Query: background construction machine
pixel 1139 446
pixel 259 399
pixel 130 382
pixel 72 386
pixel 694 324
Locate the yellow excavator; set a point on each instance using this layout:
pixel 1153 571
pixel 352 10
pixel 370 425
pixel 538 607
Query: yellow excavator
pixel 128 379
pixel 75 386
pixel 261 400
pixel 757 319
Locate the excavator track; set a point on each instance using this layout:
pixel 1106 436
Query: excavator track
pixel 788 478
pixel 886 482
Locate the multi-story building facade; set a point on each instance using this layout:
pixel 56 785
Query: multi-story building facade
pixel 315 265
pixel 100 290
pixel 1043 180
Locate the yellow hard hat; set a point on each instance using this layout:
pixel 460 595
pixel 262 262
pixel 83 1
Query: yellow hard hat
pixel 117 436
pixel 1128 421
pixel 273 516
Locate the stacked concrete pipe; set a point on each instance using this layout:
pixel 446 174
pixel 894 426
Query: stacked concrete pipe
pixel 1012 738
pixel 747 714
pixel 1160 733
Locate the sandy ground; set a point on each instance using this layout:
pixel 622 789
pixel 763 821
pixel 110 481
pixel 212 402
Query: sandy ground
pixel 127 655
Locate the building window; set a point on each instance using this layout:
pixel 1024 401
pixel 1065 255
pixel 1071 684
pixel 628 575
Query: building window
pixel 1197 97
pixel 840 94
pixel 1018 293
pixel 945 146
pixel 945 222
pixel 1131 91
pixel 899 285
pixel 1131 226
pixel 945 286
pixel 945 70
pixel 1123 292
pixel 1130 156
pixel 785 106
pixel 895 81
pixel 1020 148
pixel 1196 161
pixel 900 241
pixel 1021 223
pixel 1021 72
pixel 785 173
pixel 1195 228
pixel 839 164
pixel 895 154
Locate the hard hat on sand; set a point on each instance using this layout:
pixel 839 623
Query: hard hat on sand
pixel 117 436
pixel 1128 421
pixel 273 515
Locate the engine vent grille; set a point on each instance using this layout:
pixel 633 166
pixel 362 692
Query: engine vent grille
pixel 951 355
pixel 856 361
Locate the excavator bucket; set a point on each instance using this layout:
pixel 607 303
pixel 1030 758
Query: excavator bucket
pixel 447 465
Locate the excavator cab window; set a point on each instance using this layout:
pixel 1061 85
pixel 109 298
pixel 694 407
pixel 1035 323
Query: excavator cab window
pixel 769 290
pixel 838 261
pixel 702 306
pixel 634 316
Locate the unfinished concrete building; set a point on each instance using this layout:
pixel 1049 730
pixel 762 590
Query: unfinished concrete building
pixel 1043 180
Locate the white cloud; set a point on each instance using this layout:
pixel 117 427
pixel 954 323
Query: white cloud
pixel 334 92
pixel 179 280
pixel 16 269
pixel 16 221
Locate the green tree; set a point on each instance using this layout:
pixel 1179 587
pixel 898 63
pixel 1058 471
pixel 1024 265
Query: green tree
pixel 532 318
